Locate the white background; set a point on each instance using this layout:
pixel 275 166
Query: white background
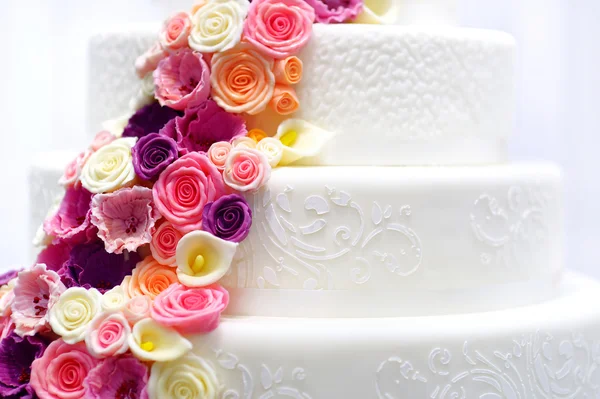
pixel 42 81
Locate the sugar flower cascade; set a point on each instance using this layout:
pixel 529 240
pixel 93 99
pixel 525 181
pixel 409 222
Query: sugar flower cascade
pixel 155 208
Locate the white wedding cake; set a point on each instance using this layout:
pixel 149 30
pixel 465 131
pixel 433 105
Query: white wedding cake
pixel 408 258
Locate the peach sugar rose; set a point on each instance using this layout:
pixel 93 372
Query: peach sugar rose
pixel 149 278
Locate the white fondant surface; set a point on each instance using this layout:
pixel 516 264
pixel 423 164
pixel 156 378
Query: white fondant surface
pixel 394 95
pixel 363 241
pixel 549 351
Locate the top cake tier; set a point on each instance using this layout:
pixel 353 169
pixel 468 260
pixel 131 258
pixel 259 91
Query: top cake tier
pixel 393 95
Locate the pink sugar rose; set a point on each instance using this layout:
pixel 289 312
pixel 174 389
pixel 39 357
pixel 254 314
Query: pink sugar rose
pixel 36 291
pixel 60 373
pixel 218 154
pixel 190 310
pixel 70 177
pixel 148 61
pixel 71 223
pixel 125 219
pixel 103 138
pixel 279 28
pixel 175 32
pixel 164 244
pixel 184 188
pixel 246 169
pixel 137 308
pixel 107 335
pixel 182 79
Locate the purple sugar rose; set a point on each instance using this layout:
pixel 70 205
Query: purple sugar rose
pixel 16 356
pixel 152 154
pixel 336 11
pixel 228 218
pixel 90 266
pixel 202 126
pixel 149 119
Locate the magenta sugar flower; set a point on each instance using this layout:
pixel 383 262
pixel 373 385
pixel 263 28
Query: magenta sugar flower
pixel 204 125
pixel 336 11
pixel 117 377
pixel 228 218
pixel 55 255
pixel 182 79
pixel 16 356
pixel 125 219
pixel 72 218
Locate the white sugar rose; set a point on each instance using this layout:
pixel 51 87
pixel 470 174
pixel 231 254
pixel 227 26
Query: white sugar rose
pixel 73 312
pixel 272 148
pixel 188 377
pixel 243 142
pixel 109 168
pixel 217 25
pixel 114 300
pixel 144 95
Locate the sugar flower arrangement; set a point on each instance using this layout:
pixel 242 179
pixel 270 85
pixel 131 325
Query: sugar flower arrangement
pixel 153 212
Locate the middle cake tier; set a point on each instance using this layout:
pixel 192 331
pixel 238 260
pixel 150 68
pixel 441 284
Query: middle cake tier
pixel 390 241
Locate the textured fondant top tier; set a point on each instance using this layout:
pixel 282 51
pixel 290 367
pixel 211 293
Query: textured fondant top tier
pixel 394 95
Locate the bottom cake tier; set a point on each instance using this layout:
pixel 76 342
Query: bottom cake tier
pixel 550 350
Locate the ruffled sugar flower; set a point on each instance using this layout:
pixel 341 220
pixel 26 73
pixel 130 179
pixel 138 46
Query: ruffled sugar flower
pixel 184 188
pixel 246 169
pixel 137 308
pixel 300 140
pixel 147 62
pixel 149 119
pixel 242 80
pixel 7 296
pixel 190 310
pixel 114 300
pixel 152 154
pixel 190 373
pixel 109 168
pixel 55 255
pixel 218 25
pixel 164 244
pixel 73 170
pixel 73 312
pixel 7 277
pixel 72 220
pixel 149 278
pixel 90 266
pixel 336 11
pixel 182 79
pixel 119 378
pixel 16 356
pixel 272 148
pixel 202 126
pixel 203 259
pixel 288 71
pixel 218 153
pixel 228 218
pixel 102 138
pixel 36 292
pixel 152 342
pixel 108 335
pixel 279 28
pixel 61 371
pixel 284 101
pixel 125 219
pixel 175 32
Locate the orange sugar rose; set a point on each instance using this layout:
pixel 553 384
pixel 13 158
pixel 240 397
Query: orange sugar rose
pixel 284 101
pixel 288 71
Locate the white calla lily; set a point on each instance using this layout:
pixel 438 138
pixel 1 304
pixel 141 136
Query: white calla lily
pixel 152 342
pixel 272 148
pixel 203 259
pixel 378 12
pixel 300 140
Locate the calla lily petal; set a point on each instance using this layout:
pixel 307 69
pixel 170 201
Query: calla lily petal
pixel 203 259
pixel 152 342
pixel 378 12
pixel 300 140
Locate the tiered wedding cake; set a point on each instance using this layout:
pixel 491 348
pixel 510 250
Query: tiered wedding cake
pixel 399 255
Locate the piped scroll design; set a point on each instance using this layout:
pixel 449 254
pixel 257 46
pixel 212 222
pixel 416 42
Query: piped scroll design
pixel 264 384
pixel 513 231
pixel 535 366
pixel 307 240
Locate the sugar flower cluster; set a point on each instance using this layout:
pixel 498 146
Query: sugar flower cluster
pixel 154 209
